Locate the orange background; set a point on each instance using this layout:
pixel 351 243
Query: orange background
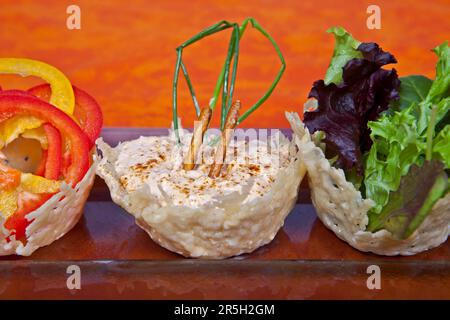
pixel 124 53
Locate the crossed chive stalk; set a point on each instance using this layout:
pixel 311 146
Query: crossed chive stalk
pixel 229 112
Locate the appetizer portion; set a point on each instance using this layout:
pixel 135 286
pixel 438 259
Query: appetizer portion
pixel 379 150
pixel 46 139
pixel 201 194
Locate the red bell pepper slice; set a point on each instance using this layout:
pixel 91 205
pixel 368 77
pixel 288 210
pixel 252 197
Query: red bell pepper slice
pixel 14 104
pixel 40 171
pixel 18 221
pixel 53 155
pixel 87 111
pixel 15 91
pixel 56 122
pixel 50 165
pixel 10 179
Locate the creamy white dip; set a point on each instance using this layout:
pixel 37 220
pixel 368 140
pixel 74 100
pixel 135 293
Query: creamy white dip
pixel 157 162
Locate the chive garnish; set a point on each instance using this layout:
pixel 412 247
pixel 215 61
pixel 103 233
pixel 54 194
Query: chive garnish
pixel 224 83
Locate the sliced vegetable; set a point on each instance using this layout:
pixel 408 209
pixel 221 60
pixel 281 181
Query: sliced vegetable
pixel 53 155
pixel 37 134
pixel 62 93
pixel 40 170
pixel 35 184
pixel 8 201
pixel 65 148
pixel 27 202
pixel 16 105
pixel 9 177
pixel 33 190
pixel 12 128
pixel 22 186
pixel 87 111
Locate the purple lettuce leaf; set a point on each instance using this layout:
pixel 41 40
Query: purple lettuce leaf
pixel 345 108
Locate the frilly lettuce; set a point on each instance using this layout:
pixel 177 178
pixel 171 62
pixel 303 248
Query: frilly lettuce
pixel 409 205
pixel 345 49
pixel 441 147
pixel 407 138
pixel 359 93
pixel 398 136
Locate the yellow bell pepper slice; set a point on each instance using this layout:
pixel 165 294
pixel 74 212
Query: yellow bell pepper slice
pixel 28 183
pixel 62 96
pixel 36 184
pixel 8 202
pixel 37 134
pixel 12 128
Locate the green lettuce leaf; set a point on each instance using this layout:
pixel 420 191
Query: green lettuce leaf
pixel 424 113
pixel 439 90
pixel 408 206
pixel 440 86
pixel 397 145
pixel 444 121
pixel 441 146
pixel 413 89
pixel 401 140
pixel 345 49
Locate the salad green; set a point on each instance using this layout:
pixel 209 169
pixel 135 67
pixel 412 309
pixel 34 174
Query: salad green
pixel 408 137
pixel 413 89
pixel 344 50
pixel 408 154
pixel 408 206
